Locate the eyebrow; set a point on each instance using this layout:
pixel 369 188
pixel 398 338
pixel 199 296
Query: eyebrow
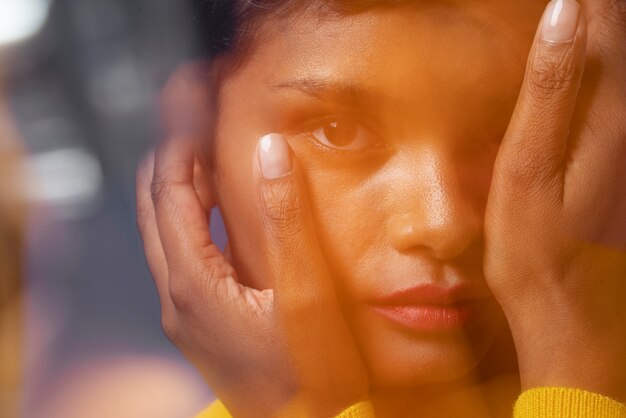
pixel 349 93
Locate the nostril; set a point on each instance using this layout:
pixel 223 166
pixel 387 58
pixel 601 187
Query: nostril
pixel 440 237
pixel 408 232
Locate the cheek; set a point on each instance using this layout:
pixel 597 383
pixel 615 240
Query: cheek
pixel 349 221
pixel 353 207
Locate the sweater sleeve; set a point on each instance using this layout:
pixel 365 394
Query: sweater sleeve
pixel 359 410
pixel 554 402
pixel 547 402
pixel 215 410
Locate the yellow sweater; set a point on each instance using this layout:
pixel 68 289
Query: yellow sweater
pixel 535 403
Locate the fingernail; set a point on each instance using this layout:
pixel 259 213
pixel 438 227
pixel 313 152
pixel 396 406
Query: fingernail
pixel 274 157
pixel 560 21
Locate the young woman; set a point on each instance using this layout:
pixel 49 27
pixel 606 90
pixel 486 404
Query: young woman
pixel 408 232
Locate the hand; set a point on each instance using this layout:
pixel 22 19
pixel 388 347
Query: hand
pixel 264 353
pixel 555 224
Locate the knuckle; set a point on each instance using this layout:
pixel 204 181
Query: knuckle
pixel 210 280
pixel 144 218
pixel 550 72
pixel 281 205
pixel 170 328
pixel 526 174
pixel 199 285
pixel 143 205
pixel 181 295
pixel 141 219
pixel 143 174
pixel 159 188
pixel 164 183
pixel 520 176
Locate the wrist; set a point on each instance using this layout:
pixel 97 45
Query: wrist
pixel 600 376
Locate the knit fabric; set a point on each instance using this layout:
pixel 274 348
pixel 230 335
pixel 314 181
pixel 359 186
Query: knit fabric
pixel 546 402
pixel 359 410
pixel 553 402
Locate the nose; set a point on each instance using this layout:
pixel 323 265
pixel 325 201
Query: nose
pixel 438 208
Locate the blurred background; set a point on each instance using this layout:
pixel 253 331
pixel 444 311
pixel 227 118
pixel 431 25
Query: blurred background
pixel 81 83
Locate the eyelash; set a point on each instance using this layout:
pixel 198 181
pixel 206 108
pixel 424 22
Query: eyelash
pixel 310 127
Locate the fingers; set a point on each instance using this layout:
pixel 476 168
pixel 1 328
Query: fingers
pixel 534 147
pixel 180 217
pixel 599 146
pixel 607 31
pixel 193 260
pixel 607 24
pixel 146 222
pixel 304 292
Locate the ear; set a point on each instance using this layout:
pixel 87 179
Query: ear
pixel 188 106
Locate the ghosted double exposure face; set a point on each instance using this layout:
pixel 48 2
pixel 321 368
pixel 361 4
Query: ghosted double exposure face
pixel 395 115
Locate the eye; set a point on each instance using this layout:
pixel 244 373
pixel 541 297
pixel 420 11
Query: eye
pixel 344 134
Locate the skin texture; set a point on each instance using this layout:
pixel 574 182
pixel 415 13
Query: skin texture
pixel 571 164
pixel 430 178
pixel 341 227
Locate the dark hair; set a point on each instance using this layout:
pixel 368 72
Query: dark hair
pixel 214 23
pixel 224 25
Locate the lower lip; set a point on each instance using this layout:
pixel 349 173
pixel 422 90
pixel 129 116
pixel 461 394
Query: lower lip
pixel 428 317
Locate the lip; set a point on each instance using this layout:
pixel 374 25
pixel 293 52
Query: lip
pixel 429 317
pixel 431 307
pixel 432 294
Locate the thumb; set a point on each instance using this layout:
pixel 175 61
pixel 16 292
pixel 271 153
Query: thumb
pixel 319 340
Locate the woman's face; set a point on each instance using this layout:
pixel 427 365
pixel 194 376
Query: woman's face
pixel 395 117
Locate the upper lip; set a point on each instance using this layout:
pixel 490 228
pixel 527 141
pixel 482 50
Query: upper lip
pixel 432 294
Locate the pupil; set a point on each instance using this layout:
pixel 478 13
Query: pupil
pixel 340 133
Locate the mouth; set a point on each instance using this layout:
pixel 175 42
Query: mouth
pixel 431 308
pixel 429 317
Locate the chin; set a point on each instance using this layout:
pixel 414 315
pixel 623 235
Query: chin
pixel 400 359
pixel 430 361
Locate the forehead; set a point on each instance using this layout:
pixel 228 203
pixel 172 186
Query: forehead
pixel 431 40
pixel 437 66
